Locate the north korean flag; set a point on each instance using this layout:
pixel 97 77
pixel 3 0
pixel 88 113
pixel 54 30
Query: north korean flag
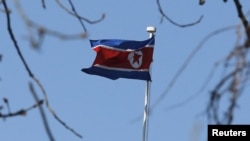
pixel 117 58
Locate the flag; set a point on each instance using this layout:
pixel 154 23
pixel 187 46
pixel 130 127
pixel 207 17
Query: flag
pixel 117 58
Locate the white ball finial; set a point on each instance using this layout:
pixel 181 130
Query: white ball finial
pixel 151 29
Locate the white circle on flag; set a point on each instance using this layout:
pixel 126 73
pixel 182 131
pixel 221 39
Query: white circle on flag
pixel 135 59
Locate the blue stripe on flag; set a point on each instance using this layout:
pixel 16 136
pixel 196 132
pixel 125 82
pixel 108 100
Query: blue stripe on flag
pixel 122 44
pixel 115 74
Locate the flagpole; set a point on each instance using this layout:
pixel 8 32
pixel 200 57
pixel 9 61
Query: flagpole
pixel 151 30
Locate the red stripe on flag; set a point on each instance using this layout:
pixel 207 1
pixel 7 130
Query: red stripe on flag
pixel 139 59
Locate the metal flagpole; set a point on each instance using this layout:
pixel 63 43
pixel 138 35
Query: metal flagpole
pixel 151 30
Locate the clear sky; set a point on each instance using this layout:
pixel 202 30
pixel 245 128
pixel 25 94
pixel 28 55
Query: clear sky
pixel 105 110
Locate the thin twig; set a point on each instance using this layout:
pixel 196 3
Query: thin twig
pixel 53 112
pixel 243 20
pixel 185 64
pixel 44 119
pixel 195 95
pixel 173 22
pixel 31 74
pixel 201 2
pixel 74 10
pixel 181 69
pixel 78 16
pixel 215 96
pixel 192 97
pixel 14 40
pixel 43 4
pixel 21 112
pixel 233 84
pixel 41 30
pixel 6 101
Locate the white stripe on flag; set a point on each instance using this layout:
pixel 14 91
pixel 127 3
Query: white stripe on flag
pixel 117 49
pixel 119 69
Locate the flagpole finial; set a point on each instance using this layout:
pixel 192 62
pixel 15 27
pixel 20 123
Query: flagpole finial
pixel 151 29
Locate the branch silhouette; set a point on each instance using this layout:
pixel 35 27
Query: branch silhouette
pixel 180 71
pixel 31 75
pixel 43 4
pixel 41 30
pixel 232 84
pixel 78 16
pixel 187 61
pixel 44 119
pixel 173 22
pixel 74 10
pixel 21 112
pixel 243 21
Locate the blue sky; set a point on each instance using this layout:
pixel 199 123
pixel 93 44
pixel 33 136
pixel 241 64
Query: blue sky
pixel 102 109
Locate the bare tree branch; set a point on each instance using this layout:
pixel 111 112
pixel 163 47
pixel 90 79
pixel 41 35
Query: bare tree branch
pixel 44 119
pixel 14 39
pixel 41 30
pixel 243 20
pixel 187 61
pixel 216 96
pixel 233 84
pixel 180 71
pixel 74 10
pixel 201 2
pixel 173 22
pixel 195 95
pixel 31 75
pixel 78 16
pixel 43 4
pixel 21 112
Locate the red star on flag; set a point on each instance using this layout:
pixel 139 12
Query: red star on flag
pixel 136 58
